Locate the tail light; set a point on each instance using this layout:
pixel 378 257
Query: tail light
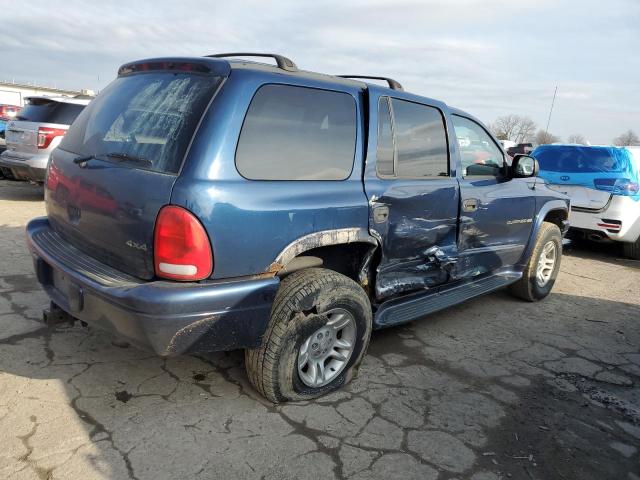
pixel 617 186
pixel 181 246
pixel 46 135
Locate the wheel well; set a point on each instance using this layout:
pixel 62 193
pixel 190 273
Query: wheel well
pixel 557 217
pixel 349 259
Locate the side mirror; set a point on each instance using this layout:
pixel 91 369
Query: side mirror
pixel 524 166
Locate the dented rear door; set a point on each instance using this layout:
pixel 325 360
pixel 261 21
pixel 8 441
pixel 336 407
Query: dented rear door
pixel 412 195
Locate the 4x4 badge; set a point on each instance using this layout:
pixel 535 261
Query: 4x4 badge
pixel 139 246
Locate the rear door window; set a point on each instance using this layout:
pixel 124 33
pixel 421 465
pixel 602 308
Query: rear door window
pixel 420 140
pixel 50 111
pixel 297 133
pixel 152 116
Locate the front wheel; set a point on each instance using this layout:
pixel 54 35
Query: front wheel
pixel 543 266
pixel 318 333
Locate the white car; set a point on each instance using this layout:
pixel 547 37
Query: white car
pixel 604 187
pixel 35 132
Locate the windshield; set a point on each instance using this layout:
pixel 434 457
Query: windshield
pixel 573 159
pixel 49 111
pixel 150 115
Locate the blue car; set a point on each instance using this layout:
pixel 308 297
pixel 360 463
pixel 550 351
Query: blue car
pixel 214 203
pixel 603 183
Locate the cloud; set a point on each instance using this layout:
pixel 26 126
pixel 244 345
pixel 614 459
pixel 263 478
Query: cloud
pixel 490 57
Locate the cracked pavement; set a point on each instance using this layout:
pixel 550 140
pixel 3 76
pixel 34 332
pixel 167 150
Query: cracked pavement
pixel 492 389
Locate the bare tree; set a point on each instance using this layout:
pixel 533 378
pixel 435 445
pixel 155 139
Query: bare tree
pixel 627 138
pixel 577 139
pixel 543 138
pixel 514 127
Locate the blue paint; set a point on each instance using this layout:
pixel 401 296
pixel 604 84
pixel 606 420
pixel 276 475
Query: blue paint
pixel 611 169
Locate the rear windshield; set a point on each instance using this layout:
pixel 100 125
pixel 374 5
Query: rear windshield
pixel 583 159
pixel 149 115
pixel 49 111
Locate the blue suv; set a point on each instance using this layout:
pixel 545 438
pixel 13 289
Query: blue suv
pixel 213 203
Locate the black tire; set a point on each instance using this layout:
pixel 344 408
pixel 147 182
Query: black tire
pixel 528 287
pixel 297 313
pixel 632 250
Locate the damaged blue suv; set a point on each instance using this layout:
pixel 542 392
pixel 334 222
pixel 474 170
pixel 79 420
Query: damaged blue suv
pixel 213 203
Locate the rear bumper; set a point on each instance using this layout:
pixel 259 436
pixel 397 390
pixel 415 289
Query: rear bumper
pixel 169 317
pixel 619 220
pixel 24 169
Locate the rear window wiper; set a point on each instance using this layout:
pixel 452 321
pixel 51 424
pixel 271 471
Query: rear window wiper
pixel 123 157
pixel 84 158
pixel 129 158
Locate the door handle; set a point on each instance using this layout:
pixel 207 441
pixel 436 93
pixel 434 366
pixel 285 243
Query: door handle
pixel 470 205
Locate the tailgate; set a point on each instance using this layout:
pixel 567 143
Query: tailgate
pixel 583 197
pixel 116 166
pixel 22 138
pixel 107 210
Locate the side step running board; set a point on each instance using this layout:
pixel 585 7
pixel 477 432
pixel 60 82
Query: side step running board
pixel 402 310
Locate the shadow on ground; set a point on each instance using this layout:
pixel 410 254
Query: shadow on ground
pixel 609 252
pixel 19 191
pixel 491 388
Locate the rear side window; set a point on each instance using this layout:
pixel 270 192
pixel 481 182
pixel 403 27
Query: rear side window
pixel 418 140
pixel 297 133
pixel 50 111
pixel 149 115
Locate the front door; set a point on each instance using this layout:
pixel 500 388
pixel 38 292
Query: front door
pixel 496 213
pixel 412 196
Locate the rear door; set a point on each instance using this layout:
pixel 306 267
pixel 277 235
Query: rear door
pixel 496 213
pixel 133 138
pixel 412 196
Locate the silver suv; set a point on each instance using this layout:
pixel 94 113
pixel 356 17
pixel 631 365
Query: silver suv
pixel 35 132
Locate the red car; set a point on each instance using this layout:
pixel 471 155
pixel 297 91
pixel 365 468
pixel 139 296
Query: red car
pixel 8 112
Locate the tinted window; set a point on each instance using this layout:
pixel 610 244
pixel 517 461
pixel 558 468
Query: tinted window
pixel 421 140
pixel 384 156
pixel 48 111
pixel 149 115
pixel 479 154
pixel 297 133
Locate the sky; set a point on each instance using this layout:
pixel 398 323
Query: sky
pixel 487 57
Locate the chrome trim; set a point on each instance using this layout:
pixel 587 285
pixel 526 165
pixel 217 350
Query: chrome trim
pixel 592 210
pixel 322 239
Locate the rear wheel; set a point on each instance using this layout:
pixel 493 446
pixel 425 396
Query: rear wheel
pixel 318 333
pixel 632 250
pixel 544 264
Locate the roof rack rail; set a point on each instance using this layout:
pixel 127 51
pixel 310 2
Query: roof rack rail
pixel 283 62
pixel 393 84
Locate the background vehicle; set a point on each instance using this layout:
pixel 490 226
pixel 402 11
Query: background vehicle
pixel 34 132
pixel 521 148
pixel 7 112
pixel 603 183
pixel 208 204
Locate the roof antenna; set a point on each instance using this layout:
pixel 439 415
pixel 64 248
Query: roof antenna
pixel 551 110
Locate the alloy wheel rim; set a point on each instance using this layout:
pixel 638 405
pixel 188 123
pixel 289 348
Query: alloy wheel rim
pixel 326 352
pixel 546 263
